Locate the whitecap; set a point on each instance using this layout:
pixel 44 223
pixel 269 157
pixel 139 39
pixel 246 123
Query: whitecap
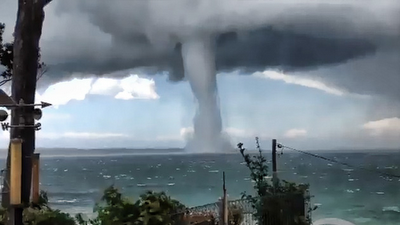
pixel 213 171
pixel 362 220
pixel 391 208
pixel 66 201
pixel 380 193
pixel 332 221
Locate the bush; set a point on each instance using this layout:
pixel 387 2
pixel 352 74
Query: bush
pixel 41 214
pixel 152 208
pixel 34 216
pixel 273 199
pixel 155 208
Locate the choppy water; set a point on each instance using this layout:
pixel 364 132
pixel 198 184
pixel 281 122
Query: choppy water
pixel 74 184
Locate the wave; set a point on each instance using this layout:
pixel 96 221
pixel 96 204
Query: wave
pixel 79 193
pixel 332 221
pixel 63 201
pixel 156 185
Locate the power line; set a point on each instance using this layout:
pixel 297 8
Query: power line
pixel 339 162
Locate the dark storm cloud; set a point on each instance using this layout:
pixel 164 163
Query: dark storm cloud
pixel 259 49
pixel 285 50
pixel 103 37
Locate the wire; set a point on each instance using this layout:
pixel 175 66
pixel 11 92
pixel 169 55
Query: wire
pixel 341 163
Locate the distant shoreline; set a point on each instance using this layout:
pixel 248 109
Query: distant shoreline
pixel 183 150
pixel 76 152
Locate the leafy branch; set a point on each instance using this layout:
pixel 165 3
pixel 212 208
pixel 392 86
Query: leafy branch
pixel 6 60
pixel 273 199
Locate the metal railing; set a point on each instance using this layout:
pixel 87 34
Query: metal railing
pixel 282 209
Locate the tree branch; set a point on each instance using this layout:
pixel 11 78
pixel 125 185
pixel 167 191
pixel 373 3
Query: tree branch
pixel 3 82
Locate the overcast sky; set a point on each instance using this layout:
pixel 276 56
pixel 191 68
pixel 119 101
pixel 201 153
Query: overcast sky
pixel 312 76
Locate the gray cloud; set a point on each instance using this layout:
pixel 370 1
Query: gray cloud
pixel 352 44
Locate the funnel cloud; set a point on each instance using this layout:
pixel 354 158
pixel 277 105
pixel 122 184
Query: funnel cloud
pixel 352 44
pixel 199 64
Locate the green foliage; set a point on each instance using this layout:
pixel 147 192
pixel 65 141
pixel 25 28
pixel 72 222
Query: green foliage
pixel 7 59
pixel 272 198
pixel 152 208
pixel 35 216
pixel 6 55
pixel 41 214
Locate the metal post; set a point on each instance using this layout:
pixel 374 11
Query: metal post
pixel 224 202
pixel 274 166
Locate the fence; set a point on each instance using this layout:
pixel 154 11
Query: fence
pixel 282 209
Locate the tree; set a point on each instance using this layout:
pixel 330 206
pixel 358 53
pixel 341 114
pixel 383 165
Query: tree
pixel 23 68
pixel 275 201
pixel 6 57
pixel 6 60
pixel 152 208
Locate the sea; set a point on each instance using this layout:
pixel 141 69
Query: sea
pixel 356 192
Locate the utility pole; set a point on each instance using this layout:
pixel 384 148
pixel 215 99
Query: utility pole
pixel 27 33
pixel 274 166
pixel 16 157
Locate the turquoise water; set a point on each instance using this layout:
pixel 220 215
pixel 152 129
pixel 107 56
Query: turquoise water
pixel 75 184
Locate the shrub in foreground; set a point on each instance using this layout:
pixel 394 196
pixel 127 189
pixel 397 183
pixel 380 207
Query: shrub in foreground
pixel 273 199
pixel 152 208
pixel 155 208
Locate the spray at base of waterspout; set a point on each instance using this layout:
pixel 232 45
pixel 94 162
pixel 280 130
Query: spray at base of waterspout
pixel 218 144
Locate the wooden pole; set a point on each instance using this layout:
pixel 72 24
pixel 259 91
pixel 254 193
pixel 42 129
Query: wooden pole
pixel 35 178
pixel 27 33
pixel 274 164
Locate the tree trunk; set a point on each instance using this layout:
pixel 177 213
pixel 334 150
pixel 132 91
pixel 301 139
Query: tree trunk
pixel 28 30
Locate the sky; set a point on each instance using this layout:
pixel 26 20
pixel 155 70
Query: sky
pixel 115 81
